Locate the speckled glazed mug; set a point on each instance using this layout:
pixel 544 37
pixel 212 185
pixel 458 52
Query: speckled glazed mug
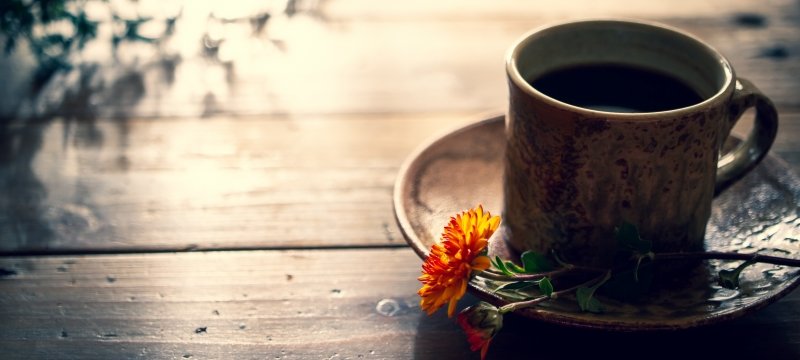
pixel 573 174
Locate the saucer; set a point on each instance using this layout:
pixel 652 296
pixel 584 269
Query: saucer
pixel 759 213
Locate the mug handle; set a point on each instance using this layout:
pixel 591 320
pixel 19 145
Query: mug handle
pixel 735 164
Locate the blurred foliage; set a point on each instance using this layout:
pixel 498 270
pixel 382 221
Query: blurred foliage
pixel 32 20
pixel 54 29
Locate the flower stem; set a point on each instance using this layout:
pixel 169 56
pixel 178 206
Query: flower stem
pixel 709 255
pixel 528 303
pixel 522 304
pixel 494 275
pixel 700 255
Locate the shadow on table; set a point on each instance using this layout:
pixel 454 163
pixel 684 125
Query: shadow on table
pixel 762 335
pixel 21 206
pixel 29 216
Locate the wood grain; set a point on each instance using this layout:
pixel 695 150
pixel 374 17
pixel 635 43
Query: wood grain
pixel 311 304
pixel 224 183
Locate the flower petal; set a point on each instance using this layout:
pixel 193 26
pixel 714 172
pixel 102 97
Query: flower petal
pixel 460 251
pixel 481 263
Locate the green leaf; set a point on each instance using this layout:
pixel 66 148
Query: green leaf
pixel 595 306
pixel 533 262
pixel 514 267
pixel 627 237
pixel 633 276
pixel 494 264
pixel 513 295
pixel 514 291
pixel 583 294
pixel 546 287
pixel 629 284
pixel 498 263
pixel 517 285
pixel 586 300
pixel 729 279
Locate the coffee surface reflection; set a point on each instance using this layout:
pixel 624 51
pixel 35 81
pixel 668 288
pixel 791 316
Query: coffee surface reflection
pixel 616 88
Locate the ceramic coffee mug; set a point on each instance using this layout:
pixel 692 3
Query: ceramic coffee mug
pixel 577 166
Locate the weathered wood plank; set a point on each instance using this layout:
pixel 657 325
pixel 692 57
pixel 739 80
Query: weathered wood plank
pixel 341 304
pixel 254 182
pixel 178 184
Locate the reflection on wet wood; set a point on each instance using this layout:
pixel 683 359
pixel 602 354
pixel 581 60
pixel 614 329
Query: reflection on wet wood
pixel 181 184
pixel 301 305
pixel 223 183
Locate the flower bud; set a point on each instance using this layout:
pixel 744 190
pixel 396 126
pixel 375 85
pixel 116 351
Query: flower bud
pixel 481 322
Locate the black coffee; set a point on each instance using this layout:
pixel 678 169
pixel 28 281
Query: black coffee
pixel 616 88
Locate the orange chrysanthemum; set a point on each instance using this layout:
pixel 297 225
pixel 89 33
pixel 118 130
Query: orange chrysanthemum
pixel 460 251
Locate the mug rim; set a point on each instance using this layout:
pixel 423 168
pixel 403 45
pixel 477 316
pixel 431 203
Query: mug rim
pixel 514 75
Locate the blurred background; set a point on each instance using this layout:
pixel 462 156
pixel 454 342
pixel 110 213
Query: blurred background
pixel 165 58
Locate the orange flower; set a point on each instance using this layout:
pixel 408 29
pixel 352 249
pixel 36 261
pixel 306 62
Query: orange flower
pixel 460 251
pixel 480 322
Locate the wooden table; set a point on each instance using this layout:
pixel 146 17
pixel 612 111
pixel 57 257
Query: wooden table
pixel 233 200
